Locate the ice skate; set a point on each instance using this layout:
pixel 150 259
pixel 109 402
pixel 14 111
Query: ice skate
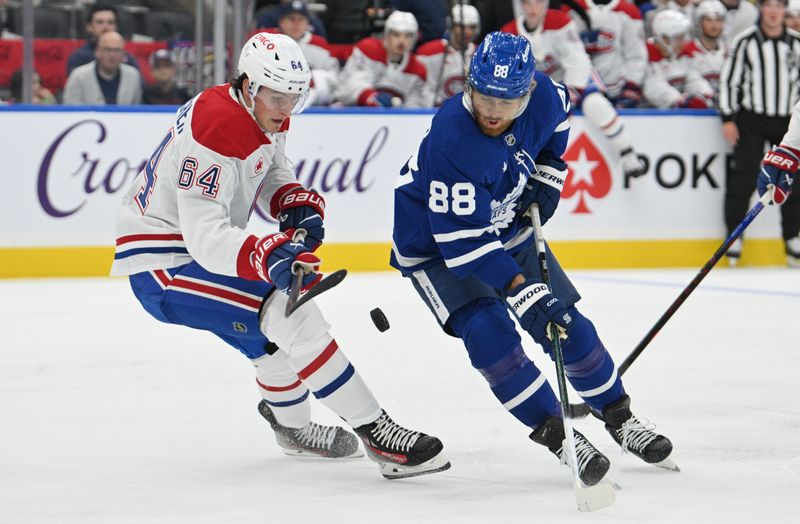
pixel 401 452
pixel 312 439
pixel 793 252
pixel 592 465
pixel 637 436
pixel 734 253
pixel 632 165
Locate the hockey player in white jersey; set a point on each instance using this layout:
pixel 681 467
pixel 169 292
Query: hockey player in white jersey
pixel 793 15
pixel 741 15
pixel 384 72
pixel 671 80
pixel 707 50
pixel 559 53
pixel 446 59
pixel 777 176
pixel 181 239
pixel 615 43
pixel 294 20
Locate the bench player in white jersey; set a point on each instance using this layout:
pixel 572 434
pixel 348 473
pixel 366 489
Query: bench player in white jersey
pixel 181 238
pixel 446 58
pixel 671 81
pixel 792 18
pixel 294 20
pixel 616 44
pixel 707 50
pixel 777 176
pixel 560 54
pixel 741 15
pixel 384 72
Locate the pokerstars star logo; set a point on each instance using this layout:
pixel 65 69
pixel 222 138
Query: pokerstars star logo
pixel 589 173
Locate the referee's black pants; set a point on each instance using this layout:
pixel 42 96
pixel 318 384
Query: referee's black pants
pixel 754 131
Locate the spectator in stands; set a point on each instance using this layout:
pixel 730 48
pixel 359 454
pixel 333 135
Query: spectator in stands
pixel 6 22
pixel 793 15
pixel 670 80
pixel 106 80
pixel 40 94
pixel 742 14
pixel 431 16
pixel 164 90
pixel 384 72
pixel 100 19
pixel 294 21
pixel 270 19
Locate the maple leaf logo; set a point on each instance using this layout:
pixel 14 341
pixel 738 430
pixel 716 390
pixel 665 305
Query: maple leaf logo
pixel 588 173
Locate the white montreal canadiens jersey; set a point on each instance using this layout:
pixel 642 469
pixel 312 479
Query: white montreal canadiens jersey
pixel 368 70
pixel 668 79
pixel 456 197
pixel 707 62
pixel 557 47
pixel 195 195
pixel 445 68
pixel 617 47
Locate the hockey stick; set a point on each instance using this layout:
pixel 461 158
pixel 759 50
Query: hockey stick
pixel 581 410
pixel 297 275
pixel 588 498
pixel 331 281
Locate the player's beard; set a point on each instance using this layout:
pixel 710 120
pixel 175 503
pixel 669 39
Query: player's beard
pixel 491 127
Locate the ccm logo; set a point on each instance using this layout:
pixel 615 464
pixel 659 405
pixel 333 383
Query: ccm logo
pixel 779 161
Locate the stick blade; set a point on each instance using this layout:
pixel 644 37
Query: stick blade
pixel 592 498
pixel 331 281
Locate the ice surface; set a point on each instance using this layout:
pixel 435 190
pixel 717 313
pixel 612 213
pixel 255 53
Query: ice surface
pixel 107 416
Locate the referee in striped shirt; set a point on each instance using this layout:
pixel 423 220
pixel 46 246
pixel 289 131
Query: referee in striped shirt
pixel 758 88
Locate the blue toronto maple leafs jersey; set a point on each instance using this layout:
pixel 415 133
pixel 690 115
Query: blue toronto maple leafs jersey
pixel 456 198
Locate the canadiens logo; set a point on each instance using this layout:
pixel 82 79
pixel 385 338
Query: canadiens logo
pixel 260 165
pixel 589 173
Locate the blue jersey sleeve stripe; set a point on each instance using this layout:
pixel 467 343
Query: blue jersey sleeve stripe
pixel 460 234
pixel 473 255
pixel 563 126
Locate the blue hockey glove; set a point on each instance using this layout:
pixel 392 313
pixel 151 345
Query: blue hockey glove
pixel 540 189
pixel 535 308
pixel 777 174
pixel 276 255
pixel 303 209
pixel 382 99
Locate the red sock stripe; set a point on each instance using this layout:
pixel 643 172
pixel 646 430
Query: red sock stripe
pixel 276 389
pixel 320 361
pixel 217 292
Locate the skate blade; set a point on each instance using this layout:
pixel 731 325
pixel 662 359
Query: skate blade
pixel 592 498
pixel 667 464
pixel 302 453
pixel 393 471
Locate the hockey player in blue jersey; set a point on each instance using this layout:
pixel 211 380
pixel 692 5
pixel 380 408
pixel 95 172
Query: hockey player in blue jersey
pixel 462 236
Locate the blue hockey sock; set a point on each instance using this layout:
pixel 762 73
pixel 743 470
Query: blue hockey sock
pixel 495 350
pixel 588 366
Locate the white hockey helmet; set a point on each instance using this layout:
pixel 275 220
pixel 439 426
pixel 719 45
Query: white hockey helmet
pixel 275 61
pixel 670 23
pixel 793 9
pixel 402 22
pixel 465 14
pixel 711 9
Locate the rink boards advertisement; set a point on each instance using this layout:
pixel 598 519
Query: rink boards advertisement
pixel 65 171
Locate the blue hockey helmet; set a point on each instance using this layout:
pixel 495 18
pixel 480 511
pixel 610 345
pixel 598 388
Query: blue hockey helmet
pixel 502 66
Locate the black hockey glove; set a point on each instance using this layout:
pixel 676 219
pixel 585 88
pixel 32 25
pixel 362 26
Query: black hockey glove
pixel 535 308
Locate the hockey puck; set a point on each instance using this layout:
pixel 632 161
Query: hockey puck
pixel 379 319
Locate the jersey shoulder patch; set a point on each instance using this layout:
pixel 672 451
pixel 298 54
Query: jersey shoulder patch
pixel 320 42
pixel 434 47
pixel 629 9
pixel 373 48
pixel 510 27
pixel 653 52
pixel 554 20
pixel 220 124
pixel 415 67
pixel 691 49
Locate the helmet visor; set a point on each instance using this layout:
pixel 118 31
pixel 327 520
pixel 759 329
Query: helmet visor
pixel 283 102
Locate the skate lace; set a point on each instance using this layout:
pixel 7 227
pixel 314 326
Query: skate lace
pixel 392 436
pixel 583 449
pixel 636 434
pixel 314 435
